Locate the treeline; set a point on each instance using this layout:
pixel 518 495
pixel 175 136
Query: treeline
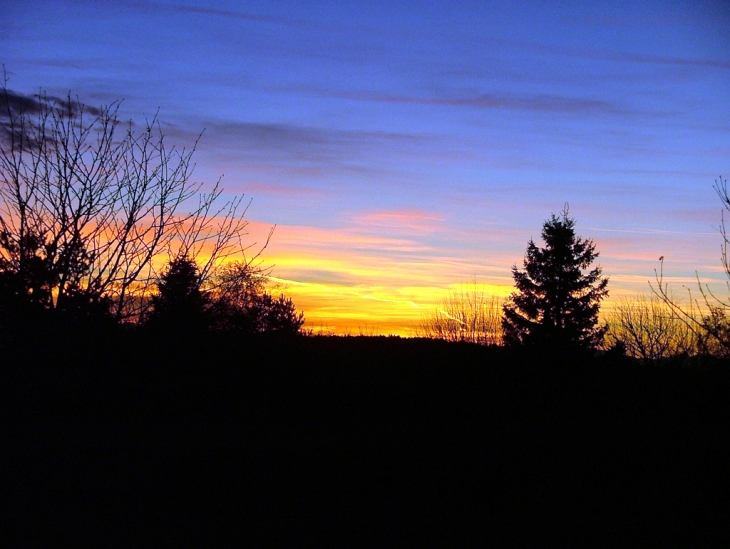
pixel 643 327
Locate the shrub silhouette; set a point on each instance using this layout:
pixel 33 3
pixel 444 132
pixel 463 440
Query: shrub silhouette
pixel 648 329
pixel 555 302
pixel 276 315
pixel 707 315
pixel 29 288
pixel 469 315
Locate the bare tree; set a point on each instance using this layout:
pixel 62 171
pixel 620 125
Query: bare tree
pixel 466 315
pixel 707 313
pixel 649 329
pixel 92 203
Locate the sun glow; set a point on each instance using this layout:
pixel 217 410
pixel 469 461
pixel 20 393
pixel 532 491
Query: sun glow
pixel 341 292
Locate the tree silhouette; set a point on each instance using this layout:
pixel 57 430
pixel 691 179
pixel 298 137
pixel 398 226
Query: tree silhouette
pixel 276 315
pixel 241 303
pixel 179 302
pixel 234 300
pixel 555 302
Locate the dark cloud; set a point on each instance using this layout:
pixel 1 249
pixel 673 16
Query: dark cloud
pixel 60 63
pixel 603 55
pixel 14 105
pixel 18 102
pixel 284 134
pixel 296 143
pixel 538 102
pixel 680 61
pixel 519 102
pixel 33 104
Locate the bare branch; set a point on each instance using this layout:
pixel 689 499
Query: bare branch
pixel 707 315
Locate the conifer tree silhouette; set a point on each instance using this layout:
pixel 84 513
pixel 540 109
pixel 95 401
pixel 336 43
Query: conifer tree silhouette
pixel 556 303
pixel 180 303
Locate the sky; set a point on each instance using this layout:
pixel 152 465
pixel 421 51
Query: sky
pixel 404 149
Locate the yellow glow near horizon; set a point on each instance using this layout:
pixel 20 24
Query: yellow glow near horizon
pixel 375 309
pixel 352 280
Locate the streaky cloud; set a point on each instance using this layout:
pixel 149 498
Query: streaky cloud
pixel 285 190
pixel 653 231
pixel 660 60
pixel 404 219
pixel 517 102
pixel 597 54
pixel 198 10
pixel 268 141
pixel 631 57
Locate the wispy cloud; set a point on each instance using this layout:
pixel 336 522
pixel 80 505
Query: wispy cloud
pixel 595 54
pixel 284 190
pixel 533 102
pixel 304 143
pixel 283 134
pixel 409 219
pixel 197 10
pixel 654 232
pixel 633 57
pixel 347 238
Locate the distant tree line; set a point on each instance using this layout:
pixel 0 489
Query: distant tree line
pixel 88 207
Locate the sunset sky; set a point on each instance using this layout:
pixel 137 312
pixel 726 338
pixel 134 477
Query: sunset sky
pixel 404 148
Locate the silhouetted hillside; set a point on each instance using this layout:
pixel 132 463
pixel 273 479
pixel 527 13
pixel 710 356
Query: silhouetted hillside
pixel 303 441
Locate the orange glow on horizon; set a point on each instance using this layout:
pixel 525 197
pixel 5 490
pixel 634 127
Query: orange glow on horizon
pixel 364 278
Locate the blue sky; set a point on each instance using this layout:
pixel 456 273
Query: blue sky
pixel 402 148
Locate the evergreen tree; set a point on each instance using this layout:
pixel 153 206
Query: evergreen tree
pixel 180 302
pixel 555 302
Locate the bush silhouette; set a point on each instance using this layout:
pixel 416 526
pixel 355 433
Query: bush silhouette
pixel 467 315
pixel 648 329
pixel 706 314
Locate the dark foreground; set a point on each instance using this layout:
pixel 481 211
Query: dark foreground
pixel 350 441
